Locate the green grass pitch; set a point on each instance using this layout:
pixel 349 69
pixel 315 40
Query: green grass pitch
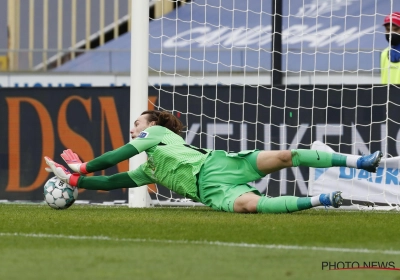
pixel 99 242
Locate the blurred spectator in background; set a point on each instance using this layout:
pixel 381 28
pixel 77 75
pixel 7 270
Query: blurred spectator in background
pixel 390 57
pixel 4 47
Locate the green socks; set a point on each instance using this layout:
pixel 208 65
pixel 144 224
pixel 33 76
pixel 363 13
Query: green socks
pixel 315 158
pixel 283 204
pixel 309 158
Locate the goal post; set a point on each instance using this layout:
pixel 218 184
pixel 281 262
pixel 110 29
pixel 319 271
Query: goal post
pixel 139 197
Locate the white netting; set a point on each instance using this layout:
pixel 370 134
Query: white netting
pixel 212 63
pixel 229 42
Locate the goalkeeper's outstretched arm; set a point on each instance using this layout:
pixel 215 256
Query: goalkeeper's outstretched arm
pixel 143 138
pixel 102 162
pixel 106 183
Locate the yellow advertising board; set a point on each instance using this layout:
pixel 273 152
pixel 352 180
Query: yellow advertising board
pixel 3 63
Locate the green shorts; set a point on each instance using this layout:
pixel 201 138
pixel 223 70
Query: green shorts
pixel 225 176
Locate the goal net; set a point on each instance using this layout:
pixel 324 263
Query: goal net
pixel 278 75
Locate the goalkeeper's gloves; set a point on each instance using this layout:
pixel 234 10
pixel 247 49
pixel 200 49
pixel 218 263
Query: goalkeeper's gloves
pixel 61 172
pixel 74 162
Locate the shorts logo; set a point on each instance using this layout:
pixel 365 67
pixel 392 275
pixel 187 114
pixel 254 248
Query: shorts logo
pixel 143 134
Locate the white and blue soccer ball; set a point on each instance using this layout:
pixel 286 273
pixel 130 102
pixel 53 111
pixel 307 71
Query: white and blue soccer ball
pixel 59 195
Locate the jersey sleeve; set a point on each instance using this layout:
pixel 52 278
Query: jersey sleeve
pixel 107 183
pixel 111 158
pixel 148 138
pixel 139 176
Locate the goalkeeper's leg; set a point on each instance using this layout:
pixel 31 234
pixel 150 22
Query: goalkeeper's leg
pixel 251 203
pixel 271 161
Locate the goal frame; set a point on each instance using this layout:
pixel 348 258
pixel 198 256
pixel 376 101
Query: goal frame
pixel 139 197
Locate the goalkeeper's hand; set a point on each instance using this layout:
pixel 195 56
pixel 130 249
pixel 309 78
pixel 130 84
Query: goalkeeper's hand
pixel 74 162
pixel 61 172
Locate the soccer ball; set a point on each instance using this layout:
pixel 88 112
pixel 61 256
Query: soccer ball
pixel 59 195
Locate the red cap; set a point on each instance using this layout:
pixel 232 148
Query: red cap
pixel 394 18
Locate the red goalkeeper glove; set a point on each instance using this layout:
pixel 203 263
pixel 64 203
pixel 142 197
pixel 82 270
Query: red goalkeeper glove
pixel 74 162
pixel 61 172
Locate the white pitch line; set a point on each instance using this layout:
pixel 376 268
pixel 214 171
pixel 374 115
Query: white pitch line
pixel 215 243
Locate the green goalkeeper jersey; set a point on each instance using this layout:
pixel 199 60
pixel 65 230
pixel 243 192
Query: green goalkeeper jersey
pixel 171 162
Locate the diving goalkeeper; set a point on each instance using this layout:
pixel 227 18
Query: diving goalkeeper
pixel 213 177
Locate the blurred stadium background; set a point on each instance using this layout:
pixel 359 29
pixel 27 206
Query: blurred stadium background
pixel 320 41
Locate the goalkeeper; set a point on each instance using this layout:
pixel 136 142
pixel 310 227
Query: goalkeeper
pixel 214 177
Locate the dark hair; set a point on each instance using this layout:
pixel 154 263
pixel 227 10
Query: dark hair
pixel 164 118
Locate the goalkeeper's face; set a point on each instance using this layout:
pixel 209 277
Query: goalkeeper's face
pixel 140 124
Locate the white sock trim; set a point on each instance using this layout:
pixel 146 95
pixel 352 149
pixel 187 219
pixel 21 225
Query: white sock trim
pixel 351 161
pixel 315 201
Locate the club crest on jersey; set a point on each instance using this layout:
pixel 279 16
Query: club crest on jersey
pixel 143 134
